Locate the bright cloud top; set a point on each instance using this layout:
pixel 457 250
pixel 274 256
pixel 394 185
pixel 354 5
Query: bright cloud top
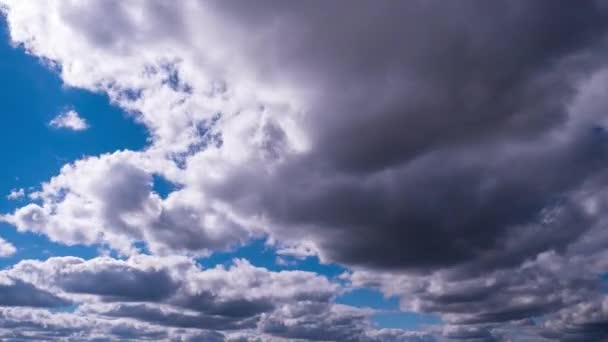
pixel 69 120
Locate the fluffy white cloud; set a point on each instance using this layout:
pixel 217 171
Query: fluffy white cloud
pixel 6 248
pixel 110 200
pixel 69 120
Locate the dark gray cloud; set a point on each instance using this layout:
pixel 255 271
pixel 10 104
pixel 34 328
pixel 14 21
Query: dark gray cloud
pixel 208 302
pixel 432 130
pixel 15 292
pixel 586 321
pixel 501 304
pixel 120 284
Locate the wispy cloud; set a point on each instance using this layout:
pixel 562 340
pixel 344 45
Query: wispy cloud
pixel 16 194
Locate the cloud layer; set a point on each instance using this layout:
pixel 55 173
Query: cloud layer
pixel 450 154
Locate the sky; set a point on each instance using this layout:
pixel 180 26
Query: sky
pixel 415 171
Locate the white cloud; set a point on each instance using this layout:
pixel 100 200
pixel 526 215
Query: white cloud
pixel 110 199
pixel 6 248
pixel 69 120
pixel 16 194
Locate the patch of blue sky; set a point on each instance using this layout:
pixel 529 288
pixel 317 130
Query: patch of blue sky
pixel 162 186
pixel 261 255
pixel 388 313
pixel 65 309
pixel 36 246
pixel 604 280
pixel 404 320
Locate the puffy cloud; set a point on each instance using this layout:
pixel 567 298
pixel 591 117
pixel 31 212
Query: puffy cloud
pixel 6 248
pixel 314 322
pixel 177 281
pixel 172 295
pixel 110 200
pixel 69 120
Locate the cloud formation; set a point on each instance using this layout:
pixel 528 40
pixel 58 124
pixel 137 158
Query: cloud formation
pixel 172 294
pixel 69 120
pixel 450 154
pixel 6 248
pixel 16 194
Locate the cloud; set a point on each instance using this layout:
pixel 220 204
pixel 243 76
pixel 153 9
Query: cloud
pixel 449 154
pixel 315 323
pixel 6 248
pixel 586 321
pixel 177 281
pixel 441 177
pixel 172 293
pixel 37 324
pixel 14 292
pixel 399 335
pixel 499 304
pixel 110 199
pixel 69 120
pixel 16 194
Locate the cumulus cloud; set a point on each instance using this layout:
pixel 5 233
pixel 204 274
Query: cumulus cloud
pixel 69 120
pixel 178 281
pixel 451 154
pixel 173 293
pixel 6 248
pixel 110 199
